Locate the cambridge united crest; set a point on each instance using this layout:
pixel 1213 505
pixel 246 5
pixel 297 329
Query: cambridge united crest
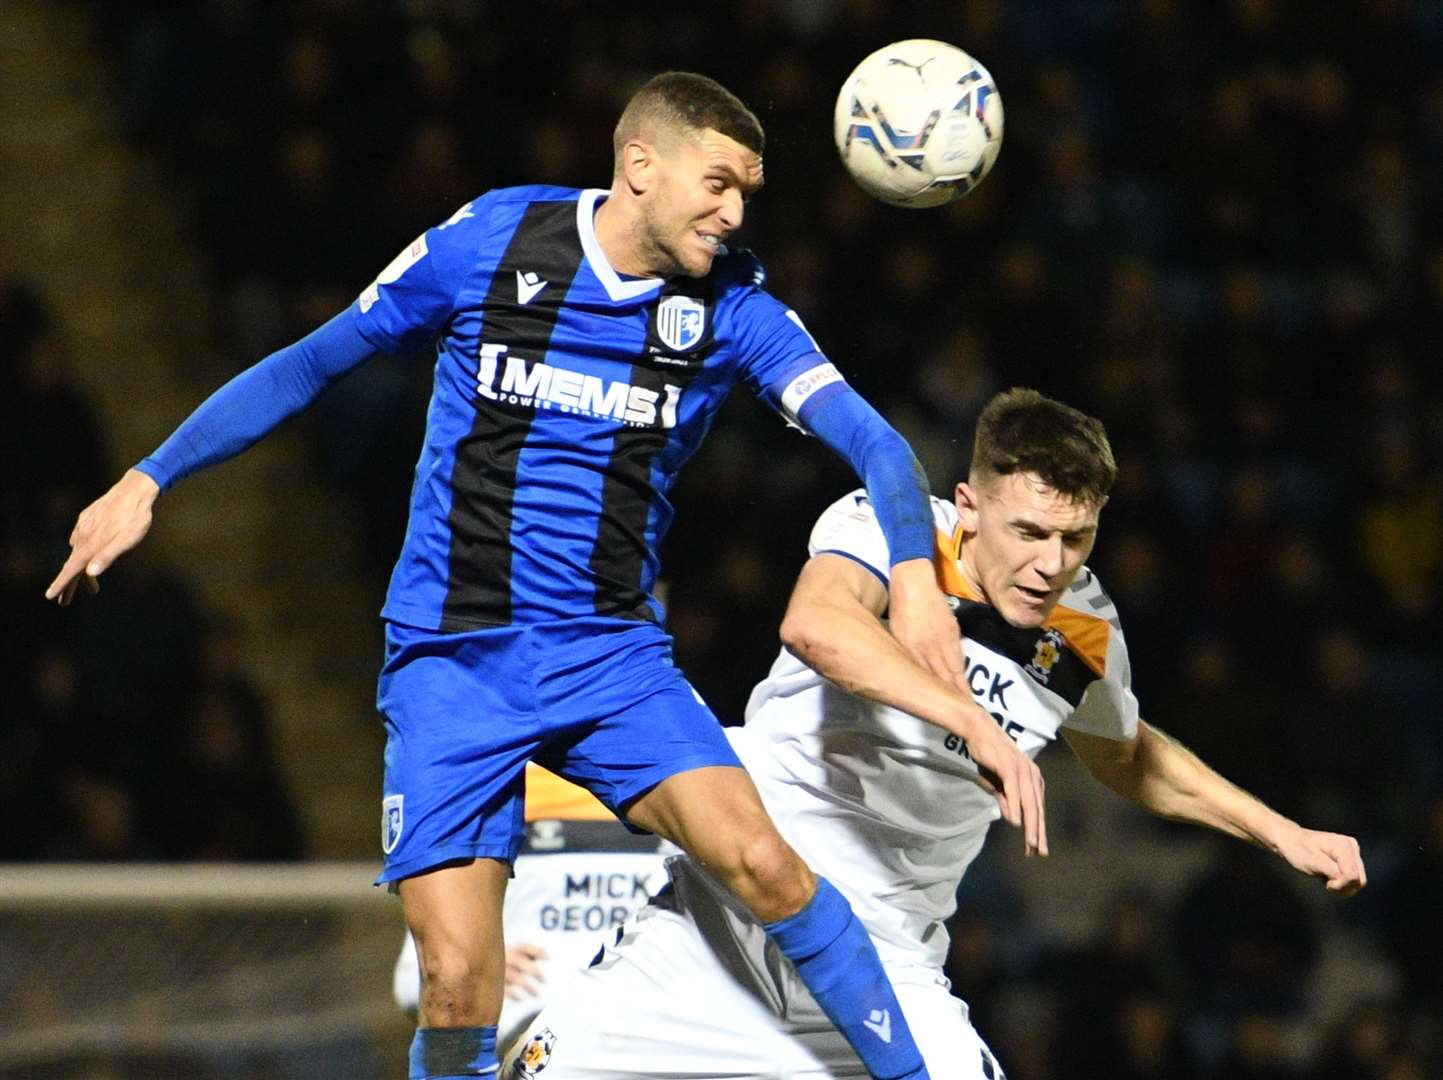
pixel 680 321
pixel 1048 652
pixel 535 1054
pixel 392 821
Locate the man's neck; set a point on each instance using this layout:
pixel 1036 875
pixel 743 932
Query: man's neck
pixel 969 572
pixel 616 231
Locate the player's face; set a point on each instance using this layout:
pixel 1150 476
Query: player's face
pixel 697 199
pixel 1023 543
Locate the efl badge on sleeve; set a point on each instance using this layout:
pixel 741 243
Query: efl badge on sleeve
pixel 536 1053
pixel 680 321
pixel 394 269
pixel 392 821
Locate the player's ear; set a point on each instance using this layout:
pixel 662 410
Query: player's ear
pixel 967 502
pixel 638 166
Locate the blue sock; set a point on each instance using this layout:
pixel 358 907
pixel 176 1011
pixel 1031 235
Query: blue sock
pixel 453 1053
pixel 835 957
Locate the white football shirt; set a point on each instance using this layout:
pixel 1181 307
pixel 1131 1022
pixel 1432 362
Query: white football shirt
pixel 888 806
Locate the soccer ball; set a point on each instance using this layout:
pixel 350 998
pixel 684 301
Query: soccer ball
pixel 918 123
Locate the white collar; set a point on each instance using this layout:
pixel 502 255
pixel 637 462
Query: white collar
pixel 615 287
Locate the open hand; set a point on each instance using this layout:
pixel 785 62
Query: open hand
pixel 523 972
pixel 105 530
pixel 1013 778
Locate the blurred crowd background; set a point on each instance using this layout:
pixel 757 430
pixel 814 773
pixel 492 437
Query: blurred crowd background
pixel 1217 226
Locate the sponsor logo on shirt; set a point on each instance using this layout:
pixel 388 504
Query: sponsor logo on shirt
pixel 528 284
pixel 596 901
pixel 546 386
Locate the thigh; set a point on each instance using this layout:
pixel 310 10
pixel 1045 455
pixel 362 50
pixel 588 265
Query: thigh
pixel 716 816
pixel 658 1003
pixel 636 729
pixel 460 726
pixel 706 811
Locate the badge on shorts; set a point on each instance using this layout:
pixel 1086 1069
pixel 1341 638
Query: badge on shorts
pixel 536 1053
pixel 680 321
pixel 392 822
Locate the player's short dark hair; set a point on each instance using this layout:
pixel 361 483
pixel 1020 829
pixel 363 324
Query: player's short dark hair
pixel 1020 430
pixel 686 101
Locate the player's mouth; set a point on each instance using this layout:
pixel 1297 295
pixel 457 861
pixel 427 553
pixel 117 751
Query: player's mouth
pixel 1035 597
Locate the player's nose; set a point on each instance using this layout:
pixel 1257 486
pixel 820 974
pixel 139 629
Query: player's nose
pixel 733 209
pixel 1049 558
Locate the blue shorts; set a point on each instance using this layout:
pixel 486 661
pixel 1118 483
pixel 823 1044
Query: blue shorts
pixel 598 701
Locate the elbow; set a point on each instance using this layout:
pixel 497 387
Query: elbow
pixel 1121 772
pixel 795 632
pixel 808 637
pixel 803 633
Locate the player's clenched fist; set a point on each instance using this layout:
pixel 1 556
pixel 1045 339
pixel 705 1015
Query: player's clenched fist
pixel 105 530
pixel 1331 857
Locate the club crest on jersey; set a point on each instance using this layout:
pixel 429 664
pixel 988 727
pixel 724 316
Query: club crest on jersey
pixel 680 322
pixel 1048 652
pixel 535 1054
pixel 392 821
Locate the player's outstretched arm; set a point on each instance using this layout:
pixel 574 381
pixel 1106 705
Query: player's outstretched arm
pixel 897 485
pixel 225 424
pixel 105 530
pixel 1163 776
pixel 833 625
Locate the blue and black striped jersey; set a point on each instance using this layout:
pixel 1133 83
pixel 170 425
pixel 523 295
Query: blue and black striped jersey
pixel 566 400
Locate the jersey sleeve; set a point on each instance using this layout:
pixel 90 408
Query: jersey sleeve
pixel 780 360
pixel 1108 708
pixel 849 528
pixel 415 295
pixel 255 401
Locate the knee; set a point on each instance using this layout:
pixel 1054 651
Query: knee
pixel 444 963
pixel 766 874
pixel 453 982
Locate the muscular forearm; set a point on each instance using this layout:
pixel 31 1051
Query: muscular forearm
pixel 848 646
pixel 894 478
pixel 833 625
pixel 1171 781
pixel 1161 775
